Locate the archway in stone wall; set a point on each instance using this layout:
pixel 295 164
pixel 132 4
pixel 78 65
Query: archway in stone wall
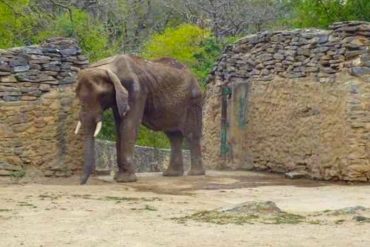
pixel 298 101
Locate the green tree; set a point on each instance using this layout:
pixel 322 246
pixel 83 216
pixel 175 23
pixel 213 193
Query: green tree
pixel 188 43
pixel 22 23
pixel 16 26
pixel 358 10
pixel 180 42
pixel 321 13
pixel 92 35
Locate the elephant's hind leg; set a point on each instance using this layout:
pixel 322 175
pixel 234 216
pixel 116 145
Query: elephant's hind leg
pixel 175 167
pixel 193 134
pixel 196 157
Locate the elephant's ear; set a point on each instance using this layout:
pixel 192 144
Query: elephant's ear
pixel 121 94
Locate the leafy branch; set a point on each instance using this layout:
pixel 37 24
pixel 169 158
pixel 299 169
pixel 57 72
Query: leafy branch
pixel 16 13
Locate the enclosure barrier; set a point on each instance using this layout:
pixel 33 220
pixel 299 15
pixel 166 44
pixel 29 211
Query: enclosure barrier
pixel 38 109
pixel 146 159
pixel 293 101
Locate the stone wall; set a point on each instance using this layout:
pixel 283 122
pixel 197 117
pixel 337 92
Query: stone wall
pixel 146 159
pixel 293 101
pixel 38 109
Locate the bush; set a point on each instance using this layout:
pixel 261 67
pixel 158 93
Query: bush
pixel 180 42
pixel 188 43
pixel 206 58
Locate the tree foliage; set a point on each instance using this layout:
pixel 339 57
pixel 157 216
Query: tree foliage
pixel 19 25
pixel 181 42
pixel 188 43
pixel 15 25
pixel 321 13
pixel 91 35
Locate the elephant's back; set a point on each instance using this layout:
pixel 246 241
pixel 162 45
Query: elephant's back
pixel 168 100
pixel 104 61
pixel 171 62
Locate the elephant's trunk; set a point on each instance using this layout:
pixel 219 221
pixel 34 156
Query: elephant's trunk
pixel 89 146
pixel 89 158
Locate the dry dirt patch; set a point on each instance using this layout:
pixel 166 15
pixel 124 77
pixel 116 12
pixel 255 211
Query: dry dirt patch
pixel 59 212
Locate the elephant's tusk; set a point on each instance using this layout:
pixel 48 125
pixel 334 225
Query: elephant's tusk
pixel 78 127
pixel 98 128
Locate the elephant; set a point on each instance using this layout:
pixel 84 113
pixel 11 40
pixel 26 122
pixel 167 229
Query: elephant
pixel 161 94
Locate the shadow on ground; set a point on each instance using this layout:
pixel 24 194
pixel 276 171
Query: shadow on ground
pixel 214 180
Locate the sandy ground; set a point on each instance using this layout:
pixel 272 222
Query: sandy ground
pixel 59 212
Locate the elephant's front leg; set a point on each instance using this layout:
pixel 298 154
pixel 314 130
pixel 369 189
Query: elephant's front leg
pixel 126 138
pixel 125 152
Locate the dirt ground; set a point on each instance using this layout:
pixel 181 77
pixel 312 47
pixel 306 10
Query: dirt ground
pixel 162 211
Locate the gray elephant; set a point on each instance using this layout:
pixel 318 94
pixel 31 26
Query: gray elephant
pixel 162 94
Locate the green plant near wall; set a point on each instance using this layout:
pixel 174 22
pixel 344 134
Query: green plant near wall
pixel 188 43
pixel 180 42
pixel 206 58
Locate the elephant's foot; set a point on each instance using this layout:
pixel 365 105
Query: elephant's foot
pixel 196 172
pixel 170 172
pixel 124 177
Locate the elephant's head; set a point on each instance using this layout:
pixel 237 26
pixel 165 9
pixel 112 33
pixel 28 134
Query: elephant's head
pixel 97 90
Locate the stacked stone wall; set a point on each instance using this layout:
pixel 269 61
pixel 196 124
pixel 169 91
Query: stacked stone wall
pixel 295 101
pixel 146 159
pixel 38 109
